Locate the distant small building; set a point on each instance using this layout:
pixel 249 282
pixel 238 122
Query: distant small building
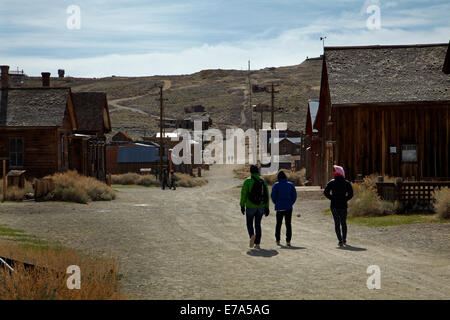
pixel 61 73
pixel 196 108
pixel 133 157
pixel 188 123
pixel 121 137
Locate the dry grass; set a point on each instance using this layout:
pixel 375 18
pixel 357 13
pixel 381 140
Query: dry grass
pixel 182 180
pixel 298 178
pixel 242 172
pixel 186 181
pixel 99 276
pixel 367 203
pixel 72 187
pixel 125 179
pixel 14 193
pixel 442 203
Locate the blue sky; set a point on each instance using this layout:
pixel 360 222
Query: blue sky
pixel 178 37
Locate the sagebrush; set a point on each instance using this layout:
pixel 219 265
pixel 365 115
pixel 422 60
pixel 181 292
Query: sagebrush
pixel 181 180
pixel 442 202
pixel 73 187
pixel 14 193
pixel 367 203
pixel 298 178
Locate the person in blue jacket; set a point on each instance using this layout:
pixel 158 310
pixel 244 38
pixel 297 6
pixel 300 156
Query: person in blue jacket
pixel 283 196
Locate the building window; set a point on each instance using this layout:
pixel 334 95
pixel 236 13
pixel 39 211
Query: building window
pixel 409 153
pixel 16 152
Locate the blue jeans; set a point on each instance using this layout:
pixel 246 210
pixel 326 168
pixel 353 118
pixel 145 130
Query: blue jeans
pixel 254 214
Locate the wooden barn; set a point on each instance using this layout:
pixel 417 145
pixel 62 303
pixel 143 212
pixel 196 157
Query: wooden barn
pixel 47 129
pixel 384 110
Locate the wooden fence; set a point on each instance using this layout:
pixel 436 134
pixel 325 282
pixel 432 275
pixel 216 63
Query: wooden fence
pixel 409 192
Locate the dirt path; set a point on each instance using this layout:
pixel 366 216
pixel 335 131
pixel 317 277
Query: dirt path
pixel 117 106
pixel 192 244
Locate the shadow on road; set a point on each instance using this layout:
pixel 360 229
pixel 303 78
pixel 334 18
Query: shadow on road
pixel 291 247
pixel 350 248
pixel 262 253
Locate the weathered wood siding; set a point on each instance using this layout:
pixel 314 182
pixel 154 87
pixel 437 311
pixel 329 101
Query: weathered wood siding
pixel 40 149
pixel 364 134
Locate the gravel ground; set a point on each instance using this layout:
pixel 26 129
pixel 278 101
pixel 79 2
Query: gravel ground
pixel 192 244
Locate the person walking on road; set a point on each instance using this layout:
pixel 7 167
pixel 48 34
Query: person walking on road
pixel 164 180
pixel 283 196
pixel 172 180
pixel 339 191
pixel 254 204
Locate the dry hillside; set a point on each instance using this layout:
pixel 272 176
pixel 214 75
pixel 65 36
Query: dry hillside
pixel 224 94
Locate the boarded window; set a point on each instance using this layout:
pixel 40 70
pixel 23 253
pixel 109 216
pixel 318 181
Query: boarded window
pixel 409 153
pixel 16 152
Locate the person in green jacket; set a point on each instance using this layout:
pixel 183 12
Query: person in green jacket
pixel 254 204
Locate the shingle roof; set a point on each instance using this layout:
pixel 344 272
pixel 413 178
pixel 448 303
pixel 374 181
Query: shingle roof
pixel 387 73
pixel 33 107
pixel 89 107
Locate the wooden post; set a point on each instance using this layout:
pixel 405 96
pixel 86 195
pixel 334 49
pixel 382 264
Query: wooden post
pixel 4 180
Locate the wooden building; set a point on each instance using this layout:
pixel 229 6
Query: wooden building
pixel 92 114
pixel 311 145
pixel 47 129
pixel 384 110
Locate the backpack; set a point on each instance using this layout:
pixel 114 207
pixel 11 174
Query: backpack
pixel 258 195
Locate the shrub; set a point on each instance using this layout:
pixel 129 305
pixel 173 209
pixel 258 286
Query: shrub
pixel 99 276
pixel 186 181
pixel 148 181
pixel 366 202
pixel 125 179
pixel 182 180
pixel 298 178
pixel 371 180
pixel 442 202
pixel 72 187
pixel 14 193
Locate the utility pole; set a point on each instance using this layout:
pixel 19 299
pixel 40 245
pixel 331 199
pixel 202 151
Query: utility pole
pixel 250 94
pixel 161 130
pixel 273 92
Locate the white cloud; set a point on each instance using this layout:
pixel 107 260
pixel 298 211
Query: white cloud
pixel 174 56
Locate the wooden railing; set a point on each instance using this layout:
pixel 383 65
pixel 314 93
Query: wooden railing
pixel 409 192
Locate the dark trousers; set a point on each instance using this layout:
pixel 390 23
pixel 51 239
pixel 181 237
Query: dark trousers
pixel 340 220
pixel 254 215
pixel 287 215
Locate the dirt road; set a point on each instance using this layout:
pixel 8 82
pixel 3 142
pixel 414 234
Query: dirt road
pixel 192 244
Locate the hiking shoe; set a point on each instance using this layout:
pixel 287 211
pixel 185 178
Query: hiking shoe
pixel 340 244
pixel 344 242
pixel 257 246
pixel 288 244
pixel 278 243
pixel 252 241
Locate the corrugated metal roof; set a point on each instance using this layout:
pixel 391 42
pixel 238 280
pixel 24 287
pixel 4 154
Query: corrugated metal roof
pixel 139 154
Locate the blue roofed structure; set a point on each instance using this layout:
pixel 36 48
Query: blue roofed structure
pixel 139 153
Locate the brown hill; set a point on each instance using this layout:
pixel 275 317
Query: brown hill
pixel 223 93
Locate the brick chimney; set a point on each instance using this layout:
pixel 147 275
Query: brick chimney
pixel 4 71
pixel 45 79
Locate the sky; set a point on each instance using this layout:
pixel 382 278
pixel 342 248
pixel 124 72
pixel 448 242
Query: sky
pixel 142 38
